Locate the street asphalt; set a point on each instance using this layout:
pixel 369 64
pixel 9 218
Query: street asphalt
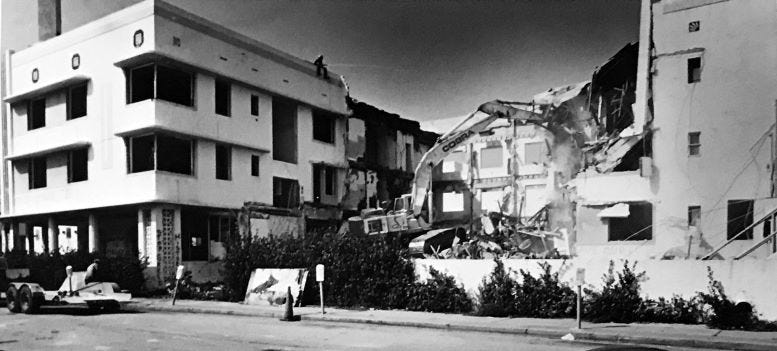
pixel 78 329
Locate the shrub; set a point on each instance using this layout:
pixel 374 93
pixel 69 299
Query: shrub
pixel 439 294
pixel 619 300
pixel 673 310
pixel 362 271
pixel 496 294
pixel 545 296
pixel 726 314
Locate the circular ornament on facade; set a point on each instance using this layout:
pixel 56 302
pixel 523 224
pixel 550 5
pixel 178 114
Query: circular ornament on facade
pixel 137 38
pixel 35 75
pixel 75 62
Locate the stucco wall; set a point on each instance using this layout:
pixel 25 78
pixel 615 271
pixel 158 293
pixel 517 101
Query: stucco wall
pixel 745 279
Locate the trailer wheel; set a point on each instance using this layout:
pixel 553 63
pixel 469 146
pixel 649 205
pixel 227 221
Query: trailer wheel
pixel 12 299
pixel 27 302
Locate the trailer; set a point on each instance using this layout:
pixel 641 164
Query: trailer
pixel 27 297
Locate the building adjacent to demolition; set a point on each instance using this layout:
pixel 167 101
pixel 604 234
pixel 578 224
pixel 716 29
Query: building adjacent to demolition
pixel 704 105
pixel 149 129
pixel 383 151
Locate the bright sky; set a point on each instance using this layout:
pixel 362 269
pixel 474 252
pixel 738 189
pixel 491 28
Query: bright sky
pixel 421 59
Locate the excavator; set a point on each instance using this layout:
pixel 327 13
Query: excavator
pixel 408 215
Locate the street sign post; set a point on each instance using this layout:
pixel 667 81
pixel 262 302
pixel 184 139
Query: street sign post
pixel 320 280
pixel 579 280
pixel 178 277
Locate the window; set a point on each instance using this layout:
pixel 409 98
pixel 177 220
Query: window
pixel 637 226
pixel 740 217
pixel 285 192
pixel 491 156
pixel 326 176
pixel 694 144
pixel 77 165
pixel 223 162
pixel 284 131
pixel 323 127
pixel 409 157
pixel 163 82
pixel 255 165
pixel 694 216
pixel 37 172
pixel 161 152
pixel 141 153
pixel 222 231
pixel 694 69
pixel 254 105
pixel 223 98
pixel 535 153
pixel 174 154
pixel 174 85
pixel 452 202
pixel 76 101
pixel 36 114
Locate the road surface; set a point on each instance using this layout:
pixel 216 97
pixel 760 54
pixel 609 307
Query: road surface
pixel 77 329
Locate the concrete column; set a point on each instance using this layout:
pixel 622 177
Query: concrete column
pixel 141 235
pixel 53 233
pixel 94 240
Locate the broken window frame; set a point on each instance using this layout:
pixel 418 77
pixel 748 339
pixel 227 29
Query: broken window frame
pixel 36 113
pixel 131 86
pixel 73 100
pixel 37 172
pixel 77 169
pixel 694 214
pixel 694 69
pixel 694 143
pixel 642 230
pixel 324 126
pixel 736 222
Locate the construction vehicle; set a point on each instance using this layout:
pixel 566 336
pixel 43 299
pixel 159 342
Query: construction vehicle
pixel 26 297
pixel 406 215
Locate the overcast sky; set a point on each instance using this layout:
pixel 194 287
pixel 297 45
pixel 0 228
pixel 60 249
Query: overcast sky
pixel 421 59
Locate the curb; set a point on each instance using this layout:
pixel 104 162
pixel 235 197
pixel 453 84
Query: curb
pixel 547 333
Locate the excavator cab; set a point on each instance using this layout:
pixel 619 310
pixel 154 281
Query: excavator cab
pixel 403 203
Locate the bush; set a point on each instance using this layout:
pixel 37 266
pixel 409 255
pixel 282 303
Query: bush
pixel 674 310
pixel 439 294
pixel 726 314
pixel 544 297
pixel 363 271
pixel 619 301
pixel 125 269
pixel 496 294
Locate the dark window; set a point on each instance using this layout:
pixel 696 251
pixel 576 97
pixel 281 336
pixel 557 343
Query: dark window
pixel 76 101
pixel 161 82
pixel 255 165
pixel 637 226
pixel 78 165
pixel 694 69
pixel 329 187
pixel 740 216
pixel 194 234
pixel 174 154
pixel 284 131
pixel 223 162
pixel 141 83
pixel 37 172
pixel 141 153
pixel 36 114
pixel 174 85
pixel 285 192
pixel 254 105
pixel 323 126
pixel 223 92
pixel 694 216
pixel 694 143
pixel 408 157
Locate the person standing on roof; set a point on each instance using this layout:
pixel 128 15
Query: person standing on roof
pixel 321 67
pixel 93 272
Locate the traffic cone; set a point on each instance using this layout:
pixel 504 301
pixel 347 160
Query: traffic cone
pixel 289 316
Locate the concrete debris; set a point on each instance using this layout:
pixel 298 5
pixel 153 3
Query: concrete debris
pixel 568 337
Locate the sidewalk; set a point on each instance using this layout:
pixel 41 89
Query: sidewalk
pixel 655 334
